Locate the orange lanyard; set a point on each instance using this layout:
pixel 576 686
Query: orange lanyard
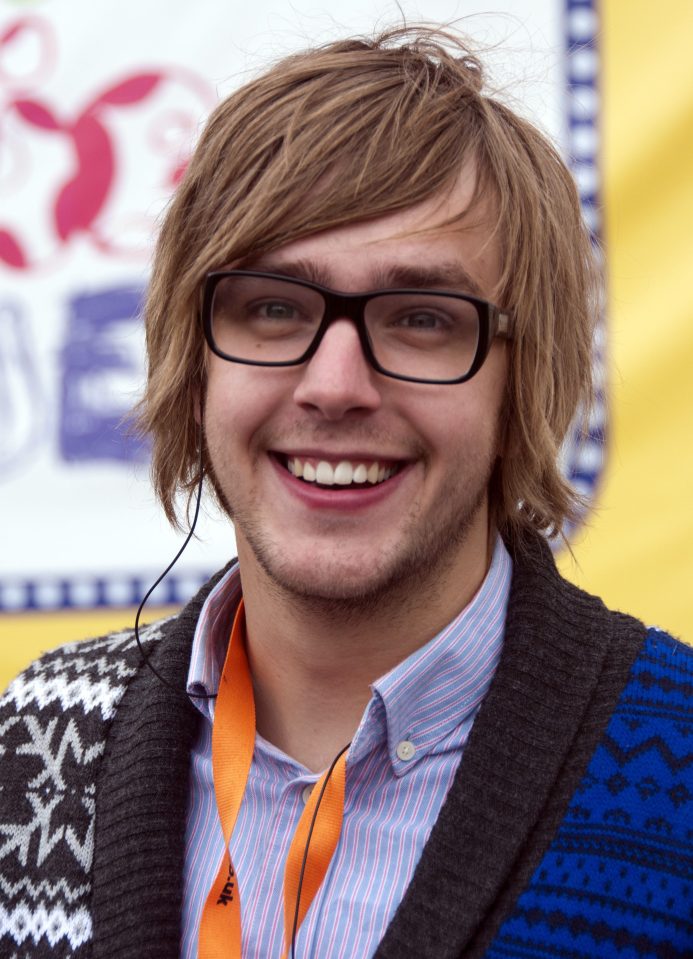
pixel 233 741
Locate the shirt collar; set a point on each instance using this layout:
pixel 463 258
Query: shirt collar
pixel 422 699
pixel 442 684
pixel 211 639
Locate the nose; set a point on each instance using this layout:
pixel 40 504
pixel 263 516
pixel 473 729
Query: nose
pixel 338 378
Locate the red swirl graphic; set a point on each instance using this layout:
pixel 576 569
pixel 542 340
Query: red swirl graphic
pixel 80 201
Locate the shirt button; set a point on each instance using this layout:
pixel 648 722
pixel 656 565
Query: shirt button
pixel 306 794
pixel 406 750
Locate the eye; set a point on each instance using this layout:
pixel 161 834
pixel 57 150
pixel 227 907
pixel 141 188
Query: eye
pixel 422 320
pixel 274 310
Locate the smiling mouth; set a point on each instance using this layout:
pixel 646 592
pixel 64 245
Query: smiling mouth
pixel 344 473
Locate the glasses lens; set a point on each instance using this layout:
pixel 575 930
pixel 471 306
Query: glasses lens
pixel 423 335
pixel 264 320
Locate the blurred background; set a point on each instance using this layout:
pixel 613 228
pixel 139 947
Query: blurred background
pixel 100 105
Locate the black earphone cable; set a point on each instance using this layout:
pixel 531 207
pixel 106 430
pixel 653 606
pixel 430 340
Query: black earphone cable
pixel 147 662
pixel 145 657
pixel 294 928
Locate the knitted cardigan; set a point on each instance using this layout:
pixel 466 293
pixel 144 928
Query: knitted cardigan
pixel 566 833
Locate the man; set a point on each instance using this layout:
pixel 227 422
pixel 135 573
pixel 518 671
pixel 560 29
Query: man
pixel 369 327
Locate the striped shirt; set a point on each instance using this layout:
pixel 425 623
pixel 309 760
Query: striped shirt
pixel 400 765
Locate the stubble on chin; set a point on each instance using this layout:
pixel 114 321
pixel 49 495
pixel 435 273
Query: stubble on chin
pixel 396 580
pixel 426 548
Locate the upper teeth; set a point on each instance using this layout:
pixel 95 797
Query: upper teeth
pixel 342 474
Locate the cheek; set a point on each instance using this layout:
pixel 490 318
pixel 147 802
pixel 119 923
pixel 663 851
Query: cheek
pixel 239 401
pixel 453 410
pixel 461 423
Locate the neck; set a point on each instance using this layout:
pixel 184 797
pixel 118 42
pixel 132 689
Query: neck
pixel 313 663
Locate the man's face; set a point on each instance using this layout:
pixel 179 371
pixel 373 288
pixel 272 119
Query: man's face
pixel 427 521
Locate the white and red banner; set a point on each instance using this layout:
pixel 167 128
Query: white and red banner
pixel 100 105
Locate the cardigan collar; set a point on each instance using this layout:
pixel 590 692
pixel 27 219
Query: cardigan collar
pixel 490 829
pixel 565 657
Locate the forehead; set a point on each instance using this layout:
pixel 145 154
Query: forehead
pixel 445 241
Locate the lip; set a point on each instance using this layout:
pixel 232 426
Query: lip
pixel 334 458
pixel 337 498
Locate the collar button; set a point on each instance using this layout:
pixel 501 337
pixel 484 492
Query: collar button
pixel 405 750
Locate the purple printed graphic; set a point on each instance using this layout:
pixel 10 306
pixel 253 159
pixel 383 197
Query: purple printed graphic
pixel 23 414
pixel 101 370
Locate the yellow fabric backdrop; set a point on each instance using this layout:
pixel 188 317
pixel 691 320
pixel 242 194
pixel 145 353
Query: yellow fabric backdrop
pixel 637 551
pixel 24 636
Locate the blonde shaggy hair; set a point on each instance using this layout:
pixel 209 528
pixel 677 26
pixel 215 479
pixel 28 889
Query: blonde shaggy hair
pixel 395 117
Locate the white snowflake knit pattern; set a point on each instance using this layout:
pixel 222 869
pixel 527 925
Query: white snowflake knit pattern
pixel 54 720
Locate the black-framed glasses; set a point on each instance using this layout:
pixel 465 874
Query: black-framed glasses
pixel 424 336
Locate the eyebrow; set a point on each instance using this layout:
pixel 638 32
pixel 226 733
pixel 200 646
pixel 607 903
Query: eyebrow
pixel 447 276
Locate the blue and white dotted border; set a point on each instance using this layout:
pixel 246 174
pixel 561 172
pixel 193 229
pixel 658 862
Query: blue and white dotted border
pixel 584 453
pixel 92 592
